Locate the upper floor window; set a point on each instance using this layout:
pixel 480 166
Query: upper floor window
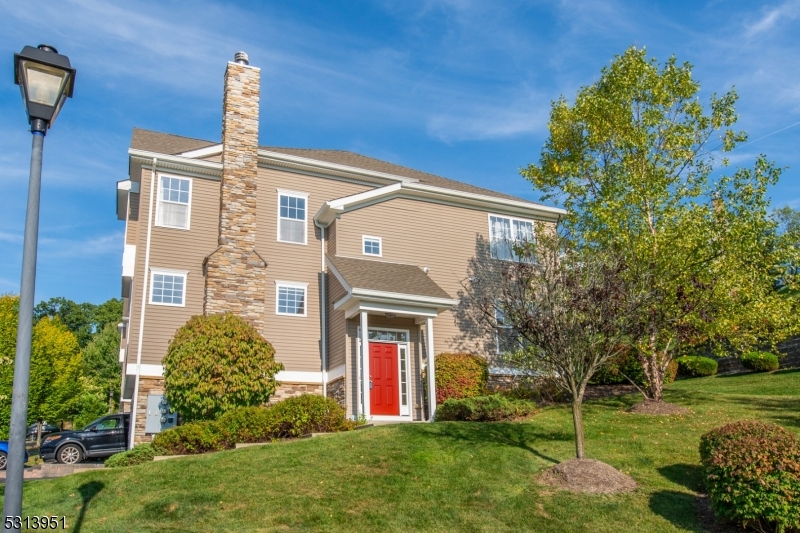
pixel 505 233
pixel 292 214
pixel 174 202
pixel 168 287
pixel 371 245
pixel 291 298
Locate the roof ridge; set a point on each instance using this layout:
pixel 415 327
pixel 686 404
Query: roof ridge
pixel 176 135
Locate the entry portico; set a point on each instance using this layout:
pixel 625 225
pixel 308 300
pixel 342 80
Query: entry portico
pixel 389 302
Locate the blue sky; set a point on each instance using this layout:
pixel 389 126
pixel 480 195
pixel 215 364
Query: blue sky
pixel 459 88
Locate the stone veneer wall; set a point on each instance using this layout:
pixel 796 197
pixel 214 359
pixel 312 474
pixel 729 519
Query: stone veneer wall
pixel 291 390
pixel 147 386
pixel 235 274
pixel 337 392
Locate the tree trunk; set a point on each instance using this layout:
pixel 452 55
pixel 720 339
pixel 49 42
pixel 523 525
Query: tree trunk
pixel 38 434
pixel 656 379
pixel 577 419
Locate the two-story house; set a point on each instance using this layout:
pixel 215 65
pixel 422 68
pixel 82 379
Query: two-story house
pixel 326 252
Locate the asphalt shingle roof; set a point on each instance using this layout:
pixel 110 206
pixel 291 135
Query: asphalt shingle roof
pixel 386 277
pixel 165 143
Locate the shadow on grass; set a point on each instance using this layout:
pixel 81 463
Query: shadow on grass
pixel 782 410
pixel 680 508
pixel 508 434
pixel 87 491
pixel 690 476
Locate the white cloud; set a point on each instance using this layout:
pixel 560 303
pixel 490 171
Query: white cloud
pixel 108 244
pixel 772 17
pixel 10 237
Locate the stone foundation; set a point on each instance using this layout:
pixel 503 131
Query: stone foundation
pixel 336 390
pixel 292 390
pixel 147 385
pixel 500 382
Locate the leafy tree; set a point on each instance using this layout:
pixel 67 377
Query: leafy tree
pixel 84 320
pixel 101 363
pixel 571 308
pixel 632 161
pixel 218 362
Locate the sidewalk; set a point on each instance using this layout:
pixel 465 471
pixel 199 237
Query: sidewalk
pixel 51 470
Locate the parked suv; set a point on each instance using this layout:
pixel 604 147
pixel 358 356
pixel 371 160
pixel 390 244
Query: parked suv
pixel 103 437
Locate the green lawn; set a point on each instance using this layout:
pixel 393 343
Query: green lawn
pixel 431 477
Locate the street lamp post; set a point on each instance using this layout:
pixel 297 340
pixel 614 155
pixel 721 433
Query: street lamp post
pixel 46 80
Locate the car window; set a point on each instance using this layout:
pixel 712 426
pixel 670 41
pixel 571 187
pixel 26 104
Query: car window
pixel 108 423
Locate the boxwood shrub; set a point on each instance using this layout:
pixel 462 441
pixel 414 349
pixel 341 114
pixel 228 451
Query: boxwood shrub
pixel 752 474
pixel 460 375
pixel 761 361
pixel 484 409
pixel 696 366
pixel 292 417
pixel 143 453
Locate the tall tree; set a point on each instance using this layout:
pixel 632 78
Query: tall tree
pixel 84 320
pixel 101 362
pixel 632 159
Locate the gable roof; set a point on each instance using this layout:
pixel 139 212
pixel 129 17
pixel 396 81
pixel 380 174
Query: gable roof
pixel 165 143
pixel 386 277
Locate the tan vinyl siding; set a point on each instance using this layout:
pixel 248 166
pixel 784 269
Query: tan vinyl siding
pixel 440 237
pixel 330 239
pixel 177 250
pixel 336 323
pixel 296 339
pixel 132 231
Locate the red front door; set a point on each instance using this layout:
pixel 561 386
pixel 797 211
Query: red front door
pixel 383 397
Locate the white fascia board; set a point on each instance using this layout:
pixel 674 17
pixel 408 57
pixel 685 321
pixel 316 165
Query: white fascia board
pixel 424 300
pixel 333 208
pixel 153 371
pixel 203 152
pixel 180 160
pixel 399 309
pixel 293 376
pixel 485 198
pixel 278 156
pixel 336 373
pixel 338 276
pixel 128 260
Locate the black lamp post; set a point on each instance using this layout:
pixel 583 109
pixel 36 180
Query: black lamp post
pixel 45 79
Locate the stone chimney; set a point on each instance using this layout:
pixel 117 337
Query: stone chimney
pixel 235 273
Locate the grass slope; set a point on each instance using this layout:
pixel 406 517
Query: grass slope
pixel 431 477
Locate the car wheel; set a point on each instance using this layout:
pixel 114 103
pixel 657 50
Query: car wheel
pixel 3 461
pixel 69 454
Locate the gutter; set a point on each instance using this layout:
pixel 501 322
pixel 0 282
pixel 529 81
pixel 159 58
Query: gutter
pixel 322 314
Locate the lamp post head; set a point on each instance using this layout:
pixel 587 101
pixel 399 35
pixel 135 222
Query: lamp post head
pixel 46 80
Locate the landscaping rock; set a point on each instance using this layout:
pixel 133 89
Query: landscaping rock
pixel 587 475
pixel 649 407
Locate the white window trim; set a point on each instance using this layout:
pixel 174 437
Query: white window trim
pixel 372 238
pixel 168 272
pixel 511 222
pixel 292 285
pixel 159 175
pixel 296 194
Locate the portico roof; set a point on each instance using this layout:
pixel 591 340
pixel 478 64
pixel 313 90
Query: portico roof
pixel 381 286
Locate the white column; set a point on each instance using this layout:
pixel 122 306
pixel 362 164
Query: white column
pixel 366 377
pixel 431 369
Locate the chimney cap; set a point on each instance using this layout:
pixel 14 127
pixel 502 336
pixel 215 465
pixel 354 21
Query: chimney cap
pixel 241 58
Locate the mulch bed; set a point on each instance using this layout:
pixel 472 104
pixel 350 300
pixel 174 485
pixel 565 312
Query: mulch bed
pixel 588 476
pixel 594 392
pixel 649 407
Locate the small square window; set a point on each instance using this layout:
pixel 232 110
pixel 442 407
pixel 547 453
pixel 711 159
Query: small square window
pixel 291 300
pixel 371 245
pixel 168 288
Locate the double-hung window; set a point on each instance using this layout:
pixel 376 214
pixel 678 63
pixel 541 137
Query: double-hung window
pixel 505 233
pixel 371 245
pixel 506 338
pixel 168 287
pixel 292 212
pixel 291 298
pixel 174 202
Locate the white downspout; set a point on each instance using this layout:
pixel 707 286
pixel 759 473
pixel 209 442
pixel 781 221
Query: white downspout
pixel 323 321
pixel 145 279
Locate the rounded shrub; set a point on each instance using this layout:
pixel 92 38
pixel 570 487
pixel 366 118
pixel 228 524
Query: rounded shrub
pixel 308 413
pixel 491 408
pixel 142 453
pixel 696 366
pixel 752 474
pixel 195 437
pixel 460 375
pixel 761 361
pixel 216 363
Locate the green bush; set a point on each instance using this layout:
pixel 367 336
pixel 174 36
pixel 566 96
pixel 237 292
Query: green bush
pixel 484 409
pixel 614 371
pixel 460 375
pixel 696 366
pixel 752 474
pixel 143 453
pixel 216 363
pixel 761 361
pixel 293 417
